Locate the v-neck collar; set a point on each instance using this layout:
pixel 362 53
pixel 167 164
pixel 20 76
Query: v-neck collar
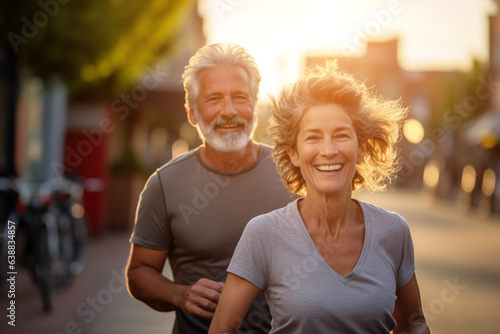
pixel 364 252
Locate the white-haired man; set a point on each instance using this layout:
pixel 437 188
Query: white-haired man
pixel 193 210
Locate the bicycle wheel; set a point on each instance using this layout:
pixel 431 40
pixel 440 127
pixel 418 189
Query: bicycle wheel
pixel 66 249
pixel 43 260
pixel 80 245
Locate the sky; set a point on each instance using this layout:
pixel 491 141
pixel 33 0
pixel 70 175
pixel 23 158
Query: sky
pixel 433 34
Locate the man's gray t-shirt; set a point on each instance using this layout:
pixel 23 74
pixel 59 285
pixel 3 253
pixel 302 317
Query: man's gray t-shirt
pixel 305 295
pixel 198 214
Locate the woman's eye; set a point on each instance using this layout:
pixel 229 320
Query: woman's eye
pixel 343 136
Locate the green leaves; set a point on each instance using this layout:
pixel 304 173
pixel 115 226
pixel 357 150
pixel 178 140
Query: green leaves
pixel 97 47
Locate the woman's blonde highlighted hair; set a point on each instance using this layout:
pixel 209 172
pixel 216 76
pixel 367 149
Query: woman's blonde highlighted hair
pixel 377 122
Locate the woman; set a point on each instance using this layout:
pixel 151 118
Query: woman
pixel 328 263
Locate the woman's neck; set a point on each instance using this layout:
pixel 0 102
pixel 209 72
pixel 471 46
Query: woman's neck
pixel 331 213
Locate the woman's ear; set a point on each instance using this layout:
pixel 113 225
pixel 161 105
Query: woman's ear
pixel 294 157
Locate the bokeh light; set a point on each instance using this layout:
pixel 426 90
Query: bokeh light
pixel 431 174
pixel 489 182
pixel 490 140
pixel 413 131
pixel 180 146
pixel 77 210
pixel 468 179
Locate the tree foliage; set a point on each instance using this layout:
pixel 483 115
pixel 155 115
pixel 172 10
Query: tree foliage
pixel 98 47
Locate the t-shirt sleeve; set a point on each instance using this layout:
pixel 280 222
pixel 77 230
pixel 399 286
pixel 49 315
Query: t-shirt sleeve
pixel 251 258
pixel 407 262
pixel 151 228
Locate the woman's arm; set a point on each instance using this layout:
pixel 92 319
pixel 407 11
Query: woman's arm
pixel 236 297
pixel 408 311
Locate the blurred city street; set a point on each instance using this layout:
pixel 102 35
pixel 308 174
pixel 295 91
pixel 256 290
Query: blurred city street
pixel 93 93
pixel 457 261
pixel 457 267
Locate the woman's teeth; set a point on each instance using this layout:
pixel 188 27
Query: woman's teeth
pixel 329 168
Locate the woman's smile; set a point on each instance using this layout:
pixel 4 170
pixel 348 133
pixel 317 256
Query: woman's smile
pixel 329 168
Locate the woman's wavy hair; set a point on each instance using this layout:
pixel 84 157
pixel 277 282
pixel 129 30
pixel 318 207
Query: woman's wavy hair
pixel 377 122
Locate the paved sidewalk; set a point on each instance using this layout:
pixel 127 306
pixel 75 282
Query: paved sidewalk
pixel 97 302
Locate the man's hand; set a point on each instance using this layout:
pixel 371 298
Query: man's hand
pixel 146 283
pixel 201 298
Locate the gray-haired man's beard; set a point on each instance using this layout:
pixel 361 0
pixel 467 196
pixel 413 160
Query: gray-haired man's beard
pixel 225 142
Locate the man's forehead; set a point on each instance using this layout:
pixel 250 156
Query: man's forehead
pixel 222 75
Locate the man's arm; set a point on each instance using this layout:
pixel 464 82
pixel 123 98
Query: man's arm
pixel 408 311
pixel 146 282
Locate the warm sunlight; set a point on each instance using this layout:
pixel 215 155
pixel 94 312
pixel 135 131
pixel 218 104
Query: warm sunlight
pixel 432 34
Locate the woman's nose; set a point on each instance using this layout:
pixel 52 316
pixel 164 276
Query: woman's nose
pixel 329 147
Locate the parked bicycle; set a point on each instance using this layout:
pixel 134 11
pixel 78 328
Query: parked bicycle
pixel 46 233
pixel 67 205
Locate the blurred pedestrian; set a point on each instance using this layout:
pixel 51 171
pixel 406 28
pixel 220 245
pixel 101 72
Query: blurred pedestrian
pixel 327 262
pixel 193 210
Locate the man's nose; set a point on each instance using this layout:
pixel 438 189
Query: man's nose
pixel 228 109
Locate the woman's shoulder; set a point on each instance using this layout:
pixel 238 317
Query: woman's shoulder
pixel 381 216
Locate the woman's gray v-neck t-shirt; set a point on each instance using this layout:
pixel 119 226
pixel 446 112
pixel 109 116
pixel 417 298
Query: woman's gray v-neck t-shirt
pixel 305 295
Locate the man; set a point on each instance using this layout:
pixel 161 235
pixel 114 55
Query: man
pixel 193 210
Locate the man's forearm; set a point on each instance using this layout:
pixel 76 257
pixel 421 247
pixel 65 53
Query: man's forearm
pixel 155 290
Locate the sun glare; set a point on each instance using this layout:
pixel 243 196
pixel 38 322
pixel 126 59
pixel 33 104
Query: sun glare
pixel 281 34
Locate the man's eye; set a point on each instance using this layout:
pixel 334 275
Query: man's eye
pixel 241 98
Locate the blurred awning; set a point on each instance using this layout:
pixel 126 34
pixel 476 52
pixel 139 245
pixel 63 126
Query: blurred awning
pixel 483 130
